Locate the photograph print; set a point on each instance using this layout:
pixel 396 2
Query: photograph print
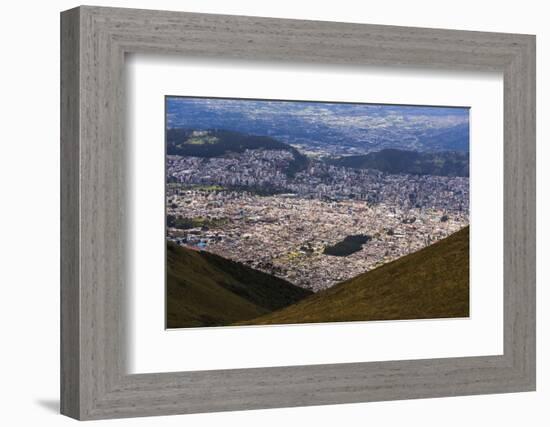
pixel 292 212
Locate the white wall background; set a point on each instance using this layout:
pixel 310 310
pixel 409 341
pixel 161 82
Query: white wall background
pixel 29 212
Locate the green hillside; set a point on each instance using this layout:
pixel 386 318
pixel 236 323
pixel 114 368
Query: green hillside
pixel 217 142
pixel 394 161
pixel 204 289
pixel 430 283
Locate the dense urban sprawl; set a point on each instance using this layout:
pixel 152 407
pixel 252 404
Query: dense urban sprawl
pixel 249 208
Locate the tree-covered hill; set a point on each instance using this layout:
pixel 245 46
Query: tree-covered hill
pixel 216 143
pixel 394 161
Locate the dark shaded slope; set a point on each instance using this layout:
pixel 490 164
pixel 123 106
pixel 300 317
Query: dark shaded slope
pixel 430 283
pixel 393 161
pixel 204 289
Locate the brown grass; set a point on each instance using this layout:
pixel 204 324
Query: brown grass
pixel 430 283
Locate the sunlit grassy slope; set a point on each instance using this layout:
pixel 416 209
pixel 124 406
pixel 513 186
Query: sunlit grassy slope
pixel 430 283
pixel 207 290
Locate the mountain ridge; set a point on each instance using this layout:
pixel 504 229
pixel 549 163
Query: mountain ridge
pixel 430 283
pixel 395 161
pixel 204 289
pixel 220 142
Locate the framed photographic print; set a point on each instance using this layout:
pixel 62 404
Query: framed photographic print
pixel 263 213
pixel 262 231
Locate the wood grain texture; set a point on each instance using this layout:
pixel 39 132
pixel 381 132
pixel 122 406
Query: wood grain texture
pixel 94 381
pixel 70 314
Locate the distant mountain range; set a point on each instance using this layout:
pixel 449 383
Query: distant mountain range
pixel 204 289
pixel 330 128
pixel 393 161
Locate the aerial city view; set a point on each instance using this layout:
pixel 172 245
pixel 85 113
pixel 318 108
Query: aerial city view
pixel 281 212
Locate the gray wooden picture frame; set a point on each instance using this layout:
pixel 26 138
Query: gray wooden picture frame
pixel 94 381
